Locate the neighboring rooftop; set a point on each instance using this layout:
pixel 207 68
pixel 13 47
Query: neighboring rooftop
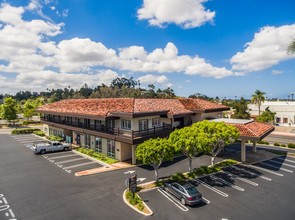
pixel 109 106
pixel 248 128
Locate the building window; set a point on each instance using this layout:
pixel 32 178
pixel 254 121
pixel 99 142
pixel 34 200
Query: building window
pixel 285 120
pixel 126 124
pixel 87 140
pixel 111 148
pixel 98 144
pixel 156 122
pixel 143 125
pixel 278 120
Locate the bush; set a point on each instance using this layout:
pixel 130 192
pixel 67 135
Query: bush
pixel 96 155
pixel 225 163
pixel 39 133
pixel 276 144
pixel 263 142
pixel 24 130
pixel 25 123
pixel 283 145
pixel 291 145
pixel 55 138
pixel 136 201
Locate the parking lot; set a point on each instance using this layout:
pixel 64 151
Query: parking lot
pixel 67 161
pixel 260 191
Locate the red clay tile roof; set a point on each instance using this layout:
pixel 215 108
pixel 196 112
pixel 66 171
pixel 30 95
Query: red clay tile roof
pixel 254 129
pixel 200 104
pixel 105 106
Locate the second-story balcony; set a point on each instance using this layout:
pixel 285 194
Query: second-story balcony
pixel 134 136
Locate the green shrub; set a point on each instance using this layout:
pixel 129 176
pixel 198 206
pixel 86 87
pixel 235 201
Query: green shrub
pixel 276 144
pixel 134 201
pixel 177 176
pixel 291 145
pixel 283 145
pixel 96 155
pixel 25 123
pixel 24 130
pixel 39 133
pixel 55 138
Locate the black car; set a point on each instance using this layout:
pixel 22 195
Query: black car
pixel 185 192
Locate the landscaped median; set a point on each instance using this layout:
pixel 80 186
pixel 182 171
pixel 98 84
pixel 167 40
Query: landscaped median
pixel 136 203
pixel 140 206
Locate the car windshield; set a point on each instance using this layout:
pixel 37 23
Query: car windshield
pixel 192 190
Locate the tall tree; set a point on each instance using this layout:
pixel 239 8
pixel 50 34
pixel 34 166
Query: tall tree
pixel 215 136
pixel 188 141
pixel 258 98
pixel 9 111
pixel 291 48
pixel 266 116
pixel 241 110
pixel 154 152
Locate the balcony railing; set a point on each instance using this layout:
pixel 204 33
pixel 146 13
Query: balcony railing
pixel 150 132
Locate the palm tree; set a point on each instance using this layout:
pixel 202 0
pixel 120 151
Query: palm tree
pixel 258 98
pixel 291 48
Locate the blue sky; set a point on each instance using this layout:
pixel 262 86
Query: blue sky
pixel 222 48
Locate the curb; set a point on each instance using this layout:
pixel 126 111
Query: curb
pixel 135 209
pixel 91 158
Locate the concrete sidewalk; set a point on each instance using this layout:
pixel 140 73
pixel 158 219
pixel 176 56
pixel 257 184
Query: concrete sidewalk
pixel 110 167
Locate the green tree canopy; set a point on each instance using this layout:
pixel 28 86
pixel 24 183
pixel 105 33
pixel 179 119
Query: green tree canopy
pixel 9 111
pixel 215 136
pixel 241 110
pixel 188 141
pixel 154 152
pixel 258 98
pixel 266 116
pixel 291 48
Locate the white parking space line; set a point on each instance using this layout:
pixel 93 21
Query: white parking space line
pixel 242 179
pixel 58 153
pixel 227 183
pixel 72 160
pixel 283 159
pixel 211 187
pixel 206 200
pixel 266 170
pixel 31 142
pixel 280 163
pixel 64 156
pixel 276 167
pixel 79 165
pixel 173 200
pixel 253 174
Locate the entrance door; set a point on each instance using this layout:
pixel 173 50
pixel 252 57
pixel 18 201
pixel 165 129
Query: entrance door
pixel 111 148
pixel 78 139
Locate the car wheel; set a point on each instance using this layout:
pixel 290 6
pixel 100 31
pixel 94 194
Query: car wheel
pixel 66 148
pixel 42 151
pixel 182 200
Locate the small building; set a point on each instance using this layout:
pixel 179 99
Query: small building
pixel 115 126
pixel 285 111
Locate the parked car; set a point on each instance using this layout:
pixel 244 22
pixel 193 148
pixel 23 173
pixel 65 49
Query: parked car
pixel 51 146
pixel 185 192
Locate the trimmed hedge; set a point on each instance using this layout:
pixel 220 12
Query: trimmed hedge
pixel 291 145
pixel 55 138
pixel 24 130
pixel 263 142
pixel 283 145
pixel 96 155
pixel 39 133
pixel 276 144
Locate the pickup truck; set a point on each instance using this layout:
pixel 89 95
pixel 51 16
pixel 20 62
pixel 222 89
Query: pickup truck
pixel 42 148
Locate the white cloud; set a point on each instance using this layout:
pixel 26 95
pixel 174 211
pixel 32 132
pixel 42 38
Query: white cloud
pixel 185 13
pixel 151 79
pixel 276 72
pixel 28 51
pixel 268 48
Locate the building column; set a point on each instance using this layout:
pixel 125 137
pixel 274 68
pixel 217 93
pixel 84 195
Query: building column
pixel 133 154
pixel 254 147
pixel 243 151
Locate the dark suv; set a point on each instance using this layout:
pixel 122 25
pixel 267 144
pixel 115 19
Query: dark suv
pixel 185 192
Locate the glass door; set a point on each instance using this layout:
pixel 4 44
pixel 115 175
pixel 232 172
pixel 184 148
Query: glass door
pixel 143 125
pixel 111 148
